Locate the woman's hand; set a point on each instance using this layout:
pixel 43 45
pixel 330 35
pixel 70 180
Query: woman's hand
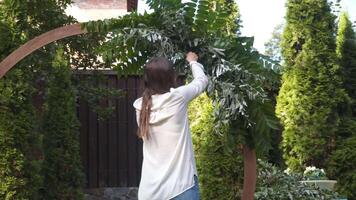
pixel 191 56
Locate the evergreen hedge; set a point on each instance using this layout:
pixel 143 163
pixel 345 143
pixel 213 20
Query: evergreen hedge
pixel 341 165
pixel 20 153
pixel 346 52
pixel 21 130
pixel 220 170
pixel 311 87
pixel 62 168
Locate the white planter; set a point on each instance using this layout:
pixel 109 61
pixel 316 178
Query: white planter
pixel 322 184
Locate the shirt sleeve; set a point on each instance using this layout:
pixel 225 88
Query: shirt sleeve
pixel 197 85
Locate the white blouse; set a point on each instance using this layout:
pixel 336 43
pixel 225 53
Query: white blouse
pixel 168 166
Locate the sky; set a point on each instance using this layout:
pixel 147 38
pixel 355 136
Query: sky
pixel 259 17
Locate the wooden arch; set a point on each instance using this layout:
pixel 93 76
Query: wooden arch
pixel 38 42
pixel 10 61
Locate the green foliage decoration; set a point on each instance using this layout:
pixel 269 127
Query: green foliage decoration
pixel 237 72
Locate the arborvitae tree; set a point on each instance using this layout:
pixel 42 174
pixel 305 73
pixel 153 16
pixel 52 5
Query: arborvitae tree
pixel 63 177
pixel 217 159
pixel 20 152
pixel 341 164
pixel 346 52
pixel 311 85
pixel 20 149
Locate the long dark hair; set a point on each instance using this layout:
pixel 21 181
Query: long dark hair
pixel 158 78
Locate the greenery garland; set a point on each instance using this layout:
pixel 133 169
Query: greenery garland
pixel 237 72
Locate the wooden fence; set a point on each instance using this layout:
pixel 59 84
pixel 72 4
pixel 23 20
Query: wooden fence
pixel 111 153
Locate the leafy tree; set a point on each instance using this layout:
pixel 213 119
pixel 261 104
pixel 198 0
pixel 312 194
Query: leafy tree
pixel 62 169
pixel 273 50
pixel 273 46
pixel 311 87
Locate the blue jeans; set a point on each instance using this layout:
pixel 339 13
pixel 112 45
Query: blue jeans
pixel 190 194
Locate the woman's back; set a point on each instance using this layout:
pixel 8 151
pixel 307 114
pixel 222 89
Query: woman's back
pixel 169 167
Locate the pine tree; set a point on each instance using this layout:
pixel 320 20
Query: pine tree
pixel 311 85
pixel 63 177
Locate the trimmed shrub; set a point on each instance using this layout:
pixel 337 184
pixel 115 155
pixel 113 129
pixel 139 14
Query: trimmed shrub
pixel 220 169
pixel 63 176
pixel 311 87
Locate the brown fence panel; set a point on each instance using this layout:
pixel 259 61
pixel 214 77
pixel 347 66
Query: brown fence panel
pixel 103 153
pixel 110 150
pixel 113 139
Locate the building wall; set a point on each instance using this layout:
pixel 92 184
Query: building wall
pixel 86 10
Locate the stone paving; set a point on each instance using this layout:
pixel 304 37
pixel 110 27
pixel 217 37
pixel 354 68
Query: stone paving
pixel 111 194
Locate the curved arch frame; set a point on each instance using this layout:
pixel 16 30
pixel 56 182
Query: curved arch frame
pixel 38 42
pixel 10 61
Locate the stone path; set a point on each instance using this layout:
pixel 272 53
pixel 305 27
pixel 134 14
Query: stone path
pixel 111 194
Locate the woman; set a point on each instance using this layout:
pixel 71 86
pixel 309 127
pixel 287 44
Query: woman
pixel 168 168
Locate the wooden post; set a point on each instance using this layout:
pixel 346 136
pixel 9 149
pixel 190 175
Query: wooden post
pixel 250 173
